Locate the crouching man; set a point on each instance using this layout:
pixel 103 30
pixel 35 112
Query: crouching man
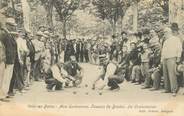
pixel 75 72
pixel 113 76
pixel 55 77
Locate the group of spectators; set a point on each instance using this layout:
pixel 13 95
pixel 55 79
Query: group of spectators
pixel 152 58
pixel 25 58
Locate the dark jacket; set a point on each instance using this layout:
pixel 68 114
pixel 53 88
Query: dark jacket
pixel 31 49
pixel 134 57
pixel 10 46
pixel 78 48
pixel 72 68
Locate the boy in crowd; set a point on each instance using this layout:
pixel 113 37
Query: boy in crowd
pixel 135 62
pixel 145 55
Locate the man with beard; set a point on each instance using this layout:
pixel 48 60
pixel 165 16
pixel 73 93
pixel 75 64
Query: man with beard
pixel 74 71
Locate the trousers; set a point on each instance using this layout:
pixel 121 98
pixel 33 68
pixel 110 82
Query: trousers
pixel 7 78
pixel 169 73
pixel 2 71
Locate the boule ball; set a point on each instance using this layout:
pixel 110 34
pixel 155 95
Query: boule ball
pixel 100 93
pixel 74 92
pixel 86 85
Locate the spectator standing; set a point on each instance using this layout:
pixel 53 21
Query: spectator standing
pixel 170 57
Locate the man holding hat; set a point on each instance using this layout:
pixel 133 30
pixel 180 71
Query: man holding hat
pixel 170 57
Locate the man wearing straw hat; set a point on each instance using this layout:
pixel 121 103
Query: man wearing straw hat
pixel 2 56
pixel 10 51
pixel 39 49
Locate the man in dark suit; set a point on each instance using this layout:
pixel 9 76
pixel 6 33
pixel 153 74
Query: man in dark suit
pixel 86 52
pixel 77 53
pixel 69 51
pixel 11 52
pixel 82 50
pixel 74 71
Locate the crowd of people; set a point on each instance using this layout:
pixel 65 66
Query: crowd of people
pixel 152 58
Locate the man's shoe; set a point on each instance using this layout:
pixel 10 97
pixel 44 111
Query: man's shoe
pixel 137 83
pixel 166 92
pixel 50 90
pixel 174 94
pixel 116 89
pixel 133 81
pixel 4 100
pixel 145 87
pixel 11 94
pixel 26 88
pixel 22 91
pixel 153 89
pixel 8 97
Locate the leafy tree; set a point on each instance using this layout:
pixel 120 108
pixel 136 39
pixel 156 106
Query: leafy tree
pixel 48 6
pixel 152 14
pixel 65 9
pixel 164 4
pixel 111 10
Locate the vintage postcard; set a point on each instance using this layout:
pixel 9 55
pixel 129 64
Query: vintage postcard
pixel 91 57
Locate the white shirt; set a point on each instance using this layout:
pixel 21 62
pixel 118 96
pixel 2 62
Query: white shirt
pixel 127 44
pixel 57 73
pixel 21 47
pixel 172 47
pixel 154 40
pixel 111 68
pixel 47 60
pixel 39 48
pixel 145 56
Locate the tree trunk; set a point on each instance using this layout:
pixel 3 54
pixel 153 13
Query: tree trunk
pixel 135 16
pixel 49 15
pixel 114 27
pixel 49 19
pixel 64 29
pixel 121 24
pixel 13 7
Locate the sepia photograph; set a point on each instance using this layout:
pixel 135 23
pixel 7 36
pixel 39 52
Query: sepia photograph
pixel 92 57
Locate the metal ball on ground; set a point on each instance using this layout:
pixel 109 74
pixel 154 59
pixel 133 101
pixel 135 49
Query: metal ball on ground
pixel 100 93
pixel 86 85
pixel 74 92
